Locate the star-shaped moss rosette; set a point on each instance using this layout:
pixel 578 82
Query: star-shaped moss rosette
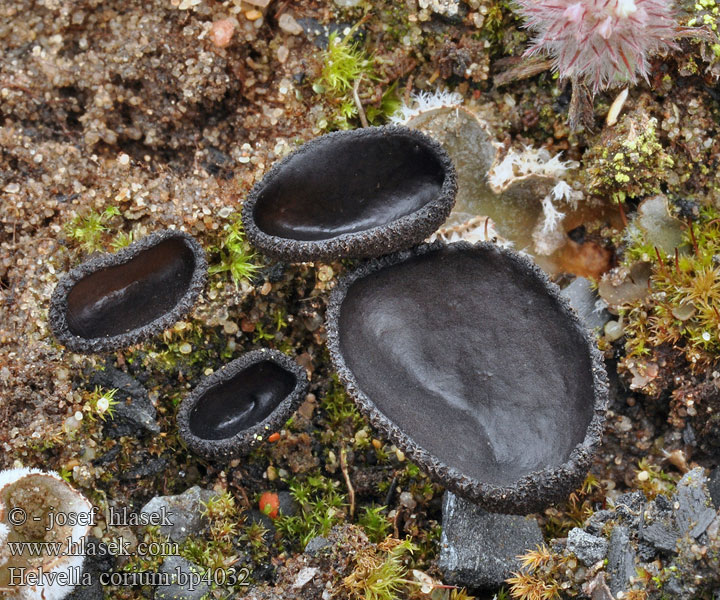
pixel 471 362
pixel 116 300
pixel 351 194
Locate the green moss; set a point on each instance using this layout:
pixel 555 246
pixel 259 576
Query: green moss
pixel 188 348
pixel 375 522
pixel 100 404
pixel 348 76
pixel 682 308
pixel 652 480
pixel 380 573
pixel 233 255
pixel 88 230
pixel 122 240
pixel 340 412
pixel 321 507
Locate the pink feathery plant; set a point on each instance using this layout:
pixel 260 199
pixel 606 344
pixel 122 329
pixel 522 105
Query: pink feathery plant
pixel 601 43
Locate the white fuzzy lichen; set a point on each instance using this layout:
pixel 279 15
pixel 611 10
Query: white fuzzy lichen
pixel 476 229
pixel 549 235
pixel 531 161
pixel 32 505
pixel 552 217
pixel 421 102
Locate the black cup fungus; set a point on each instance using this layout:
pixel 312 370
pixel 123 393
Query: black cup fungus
pixel 117 300
pixel 237 407
pixel 471 362
pixel 352 194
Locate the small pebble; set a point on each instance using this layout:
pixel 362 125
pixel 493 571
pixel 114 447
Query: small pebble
pixel 407 500
pixel 222 31
pixel 289 25
pixel 325 273
pixel 253 15
pixel 613 330
pixel 230 327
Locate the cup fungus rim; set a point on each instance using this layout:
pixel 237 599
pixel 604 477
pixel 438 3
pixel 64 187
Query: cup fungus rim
pixel 57 315
pixel 244 440
pixel 398 234
pixel 530 493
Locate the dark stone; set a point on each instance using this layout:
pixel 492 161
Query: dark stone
pixel 714 487
pixel 272 273
pixel 472 363
pixel 98 560
pixel 319 33
pixel 150 467
pixel 631 501
pixel 588 548
pixel 109 456
pixel 116 300
pixel 663 504
pixel 645 551
pixel 184 512
pixel 629 508
pixel 661 534
pixel 664 525
pixel 674 587
pixel 191 590
pixel 133 413
pixel 598 588
pixel 288 506
pixel 621 560
pixel 235 408
pixel 695 511
pixel 316 545
pixel 596 523
pixel 480 549
pixel 585 302
pixel 688 436
pixel 93 591
pixel 256 516
pixel 352 194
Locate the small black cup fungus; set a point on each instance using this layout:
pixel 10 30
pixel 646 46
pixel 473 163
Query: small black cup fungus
pixel 469 360
pixel 117 300
pixel 238 406
pixel 352 194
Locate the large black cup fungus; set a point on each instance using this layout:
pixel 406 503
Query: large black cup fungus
pixel 352 194
pixel 116 300
pixel 238 406
pixel 471 361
